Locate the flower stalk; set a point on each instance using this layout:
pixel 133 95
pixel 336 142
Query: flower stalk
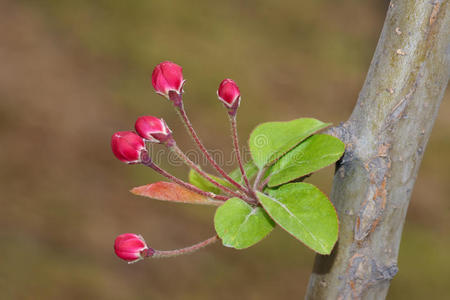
pixel 146 161
pixel 258 178
pixel 238 152
pixel 172 146
pixel 182 251
pixel 178 103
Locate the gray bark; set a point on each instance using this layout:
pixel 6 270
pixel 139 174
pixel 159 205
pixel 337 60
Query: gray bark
pixel 386 136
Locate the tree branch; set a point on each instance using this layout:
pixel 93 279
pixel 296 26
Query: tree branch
pixel 385 136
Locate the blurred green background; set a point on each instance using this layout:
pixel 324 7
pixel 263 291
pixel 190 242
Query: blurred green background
pixel 74 72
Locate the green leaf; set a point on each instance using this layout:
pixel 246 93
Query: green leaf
pixel 250 169
pixel 240 225
pixel 305 212
pixel 205 185
pixel 269 141
pixel 202 183
pixel 315 153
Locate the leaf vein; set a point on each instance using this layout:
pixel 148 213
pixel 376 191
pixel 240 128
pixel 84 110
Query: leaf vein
pixel 252 212
pixel 299 221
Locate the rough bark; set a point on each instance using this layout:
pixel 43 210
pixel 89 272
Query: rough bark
pixel 386 137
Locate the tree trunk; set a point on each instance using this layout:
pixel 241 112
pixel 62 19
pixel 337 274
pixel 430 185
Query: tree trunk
pixel 386 137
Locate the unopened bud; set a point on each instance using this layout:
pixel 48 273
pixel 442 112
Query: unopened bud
pixel 127 146
pixel 153 129
pixel 132 247
pixel 166 77
pixel 229 94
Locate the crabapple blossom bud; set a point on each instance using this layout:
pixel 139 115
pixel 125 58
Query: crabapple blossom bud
pixel 153 129
pixel 229 94
pixel 127 146
pixel 131 247
pixel 167 77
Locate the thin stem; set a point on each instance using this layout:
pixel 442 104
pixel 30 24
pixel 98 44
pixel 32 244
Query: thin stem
pixel 146 161
pixel 258 178
pixel 187 250
pixel 238 151
pixel 176 98
pixel 191 164
pixel 263 184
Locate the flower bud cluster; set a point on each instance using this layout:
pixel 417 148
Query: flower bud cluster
pixel 130 147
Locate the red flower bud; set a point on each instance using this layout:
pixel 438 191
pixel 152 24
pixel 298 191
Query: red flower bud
pixel 166 77
pixel 127 146
pixel 229 94
pixel 153 129
pixel 131 247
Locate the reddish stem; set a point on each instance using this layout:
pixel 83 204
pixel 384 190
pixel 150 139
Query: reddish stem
pixel 258 178
pixel 263 184
pixel 148 162
pixel 178 103
pixel 191 164
pixel 187 250
pixel 238 152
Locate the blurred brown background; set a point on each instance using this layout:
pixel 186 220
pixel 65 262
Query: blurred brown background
pixel 73 72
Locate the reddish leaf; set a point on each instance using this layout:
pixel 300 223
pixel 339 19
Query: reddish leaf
pixel 169 191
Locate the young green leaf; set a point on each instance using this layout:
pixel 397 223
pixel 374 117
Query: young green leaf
pixel 205 185
pixel 202 183
pixel 305 212
pixel 240 225
pixel 270 141
pixel 250 169
pixel 169 191
pixel 315 153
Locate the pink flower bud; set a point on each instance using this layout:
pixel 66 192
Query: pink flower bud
pixel 153 129
pixel 127 146
pixel 229 94
pixel 166 77
pixel 131 247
